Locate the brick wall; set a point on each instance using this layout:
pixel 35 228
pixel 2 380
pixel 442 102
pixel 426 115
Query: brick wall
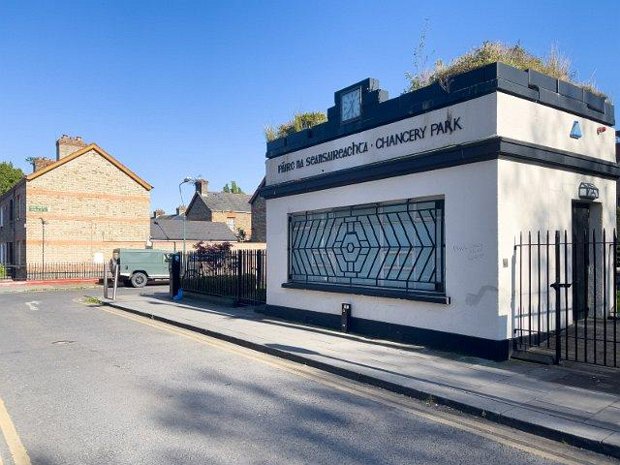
pixel 259 220
pixel 199 212
pixel 92 207
pixel 242 220
pixel 13 230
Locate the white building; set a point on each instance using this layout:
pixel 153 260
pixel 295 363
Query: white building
pixel 408 209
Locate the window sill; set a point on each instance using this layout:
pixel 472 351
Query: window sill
pixel 389 293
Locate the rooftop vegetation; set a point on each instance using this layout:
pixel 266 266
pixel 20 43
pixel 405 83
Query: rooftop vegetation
pixel 299 122
pixel 554 64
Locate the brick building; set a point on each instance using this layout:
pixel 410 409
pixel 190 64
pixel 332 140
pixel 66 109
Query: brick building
pixel 77 208
pixel 221 207
pixel 259 215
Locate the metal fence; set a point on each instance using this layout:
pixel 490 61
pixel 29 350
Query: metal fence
pixel 239 274
pixel 60 271
pixel 566 296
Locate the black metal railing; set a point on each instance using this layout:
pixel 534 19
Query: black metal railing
pixel 566 295
pixel 396 246
pixel 239 274
pixel 60 271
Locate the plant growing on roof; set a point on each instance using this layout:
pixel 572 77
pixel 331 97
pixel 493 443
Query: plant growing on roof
pixel 299 122
pixel 555 64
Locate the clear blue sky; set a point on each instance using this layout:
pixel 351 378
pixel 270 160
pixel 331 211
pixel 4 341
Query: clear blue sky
pixel 185 88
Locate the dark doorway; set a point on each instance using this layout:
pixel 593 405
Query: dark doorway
pixel 581 259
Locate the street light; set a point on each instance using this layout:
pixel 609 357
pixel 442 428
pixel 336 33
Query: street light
pixel 43 223
pixel 185 181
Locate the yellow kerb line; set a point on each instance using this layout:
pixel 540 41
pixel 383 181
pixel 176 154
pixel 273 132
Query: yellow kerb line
pixel 17 449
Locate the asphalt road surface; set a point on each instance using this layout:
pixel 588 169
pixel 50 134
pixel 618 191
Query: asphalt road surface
pixel 92 385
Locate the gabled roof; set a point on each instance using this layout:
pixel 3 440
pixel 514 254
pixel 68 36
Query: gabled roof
pixel 84 150
pixel 172 230
pixel 257 191
pixel 223 202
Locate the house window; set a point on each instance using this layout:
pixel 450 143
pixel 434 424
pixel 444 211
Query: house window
pixel 231 223
pixel 395 246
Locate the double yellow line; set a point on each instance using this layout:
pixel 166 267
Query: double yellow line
pixel 17 449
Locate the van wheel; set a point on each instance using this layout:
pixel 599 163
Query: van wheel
pixel 138 279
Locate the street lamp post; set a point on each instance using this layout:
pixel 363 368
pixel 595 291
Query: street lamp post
pixel 185 181
pixel 43 223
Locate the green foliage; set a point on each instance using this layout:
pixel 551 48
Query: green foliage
pixel 241 235
pixel 299 122
pixel 3 271
pixel 9 176
pixel 554 65
pixel 233 188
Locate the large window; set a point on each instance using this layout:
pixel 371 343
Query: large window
pixel 395 246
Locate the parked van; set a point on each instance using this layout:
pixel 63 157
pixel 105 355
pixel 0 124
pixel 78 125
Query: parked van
pixel 137 266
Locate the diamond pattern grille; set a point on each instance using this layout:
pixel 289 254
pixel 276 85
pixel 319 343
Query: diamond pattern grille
pixel 393 246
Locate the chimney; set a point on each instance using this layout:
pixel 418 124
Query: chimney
pixel 181 210
pixel 67 145
pixel 38 163
pixel 202 186
pixel 159 212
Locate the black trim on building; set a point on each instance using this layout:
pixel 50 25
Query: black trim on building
pixel 376 292
pixel 469 345
pixel 488 149
pixel 378 110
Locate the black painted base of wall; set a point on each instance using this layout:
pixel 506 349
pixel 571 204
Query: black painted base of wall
pixel 468 345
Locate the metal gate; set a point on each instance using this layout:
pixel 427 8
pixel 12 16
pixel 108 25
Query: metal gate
pixel 566 293
pixel 239 274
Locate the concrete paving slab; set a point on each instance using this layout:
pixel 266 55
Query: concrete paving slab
pixel 608 418
pixel 558 423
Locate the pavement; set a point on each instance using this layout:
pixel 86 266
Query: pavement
pixel 85 384
pixel 9 286
pixel 574 403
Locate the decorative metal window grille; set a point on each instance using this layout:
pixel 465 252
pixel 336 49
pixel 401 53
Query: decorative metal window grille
pixel 396 246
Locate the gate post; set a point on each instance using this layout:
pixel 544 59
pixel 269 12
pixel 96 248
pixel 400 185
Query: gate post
pixel 239 274
pixel 558 313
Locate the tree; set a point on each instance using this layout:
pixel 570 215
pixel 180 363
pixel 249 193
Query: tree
pixel 9 176
pixel 299 122
pixel 211 258
pixel 233 188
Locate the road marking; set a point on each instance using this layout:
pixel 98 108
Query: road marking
pixel 542 447
pixel 17 449
pixel 34 305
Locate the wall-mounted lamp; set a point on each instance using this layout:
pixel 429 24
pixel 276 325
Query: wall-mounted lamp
pixel 588 191
pixel 575 132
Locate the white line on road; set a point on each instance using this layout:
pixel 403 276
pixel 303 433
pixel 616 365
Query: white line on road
pixel 33 305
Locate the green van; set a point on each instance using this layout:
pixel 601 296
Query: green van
pixel 137 266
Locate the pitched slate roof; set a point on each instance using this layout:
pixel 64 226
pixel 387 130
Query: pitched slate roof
pixel 168 230
pixel 225 201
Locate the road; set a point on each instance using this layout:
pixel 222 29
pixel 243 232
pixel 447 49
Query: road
pixel 86 384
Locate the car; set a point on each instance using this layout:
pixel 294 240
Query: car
pixel 139 266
